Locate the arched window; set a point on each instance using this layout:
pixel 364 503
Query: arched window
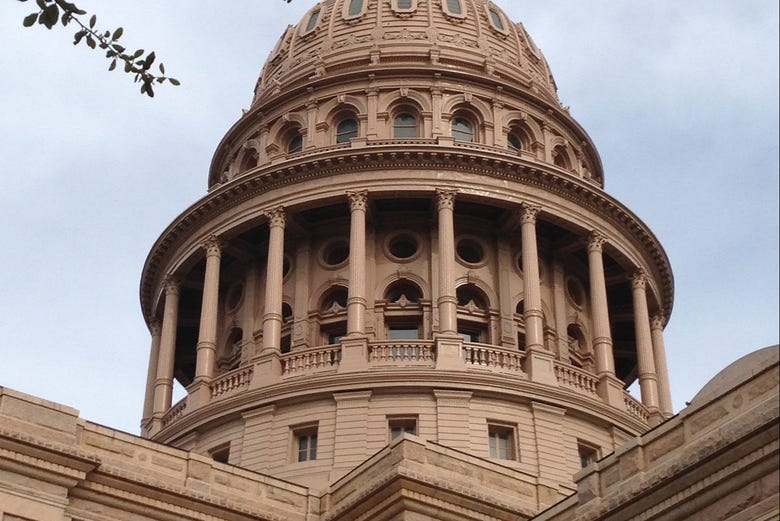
pixel 462 129
pixel 403 312
pixel 333 315
pixel 520 324
pixel 405 126
pixel 473 314
pixel 287 321
pixel 496 20
pixel 295 144
pixel 311 24
pixel 355 7
pixel 560 158
pixel 578 348
pixel 231 354
pixel 347 129
pixel 514 143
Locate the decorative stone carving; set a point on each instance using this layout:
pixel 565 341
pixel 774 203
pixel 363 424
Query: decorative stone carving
pixel 358 200
pixel 275 216
pixel 213 246
pixel 596 241
pixel 639 280
pixel 528 213
pixel 445 198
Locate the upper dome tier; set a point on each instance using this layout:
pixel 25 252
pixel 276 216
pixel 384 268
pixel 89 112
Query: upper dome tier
pixel 341 35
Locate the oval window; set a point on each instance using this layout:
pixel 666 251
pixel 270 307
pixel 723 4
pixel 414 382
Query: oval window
pixel 454 7
pixel 496 20
pixel 311 24
pixel 355 7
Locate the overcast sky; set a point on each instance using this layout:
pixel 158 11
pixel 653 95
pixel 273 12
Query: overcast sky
pixel 680 98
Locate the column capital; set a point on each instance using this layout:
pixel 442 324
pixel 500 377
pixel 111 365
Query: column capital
pixel 212 245
pixel 358 200
pixel 596 242
pixel 171 285
pixel 445 198
pixel 155 327
pixel 528 213
pixel 275 216
pixel 657 322
pixel 639 280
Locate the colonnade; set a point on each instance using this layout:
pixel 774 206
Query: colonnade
pixel 651 358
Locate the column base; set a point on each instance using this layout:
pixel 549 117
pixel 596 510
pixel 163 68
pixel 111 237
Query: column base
pixel 267 370
pixel 610 389
pixel 198 395
pixel 449 353
pixel 656 418
pixel 538 365
pixel 354 354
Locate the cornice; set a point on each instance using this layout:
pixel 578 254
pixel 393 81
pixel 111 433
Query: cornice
pixel 338 160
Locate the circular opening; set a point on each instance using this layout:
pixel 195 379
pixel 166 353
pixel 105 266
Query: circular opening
pixel 335 253
pixel 234 296
pixel 470 251
pixel 402 246
pixel 576 292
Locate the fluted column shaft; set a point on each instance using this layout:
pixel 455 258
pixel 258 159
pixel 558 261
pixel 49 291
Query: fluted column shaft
pixel 356 302
pixel 602 338
pixel 661 369
pixel 207 333
pixel 163 385
pixel 534 324
pixel 272 317
pixel 648 381
pixel 559 299
pixel 448 301
pixel 151 375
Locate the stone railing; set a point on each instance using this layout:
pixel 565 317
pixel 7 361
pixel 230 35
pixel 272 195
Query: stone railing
pixel 575 378
pixel 492 357
pixel 635 408
pixel 401 353
pixel 175 412
pixel 230 382
pixel 315 360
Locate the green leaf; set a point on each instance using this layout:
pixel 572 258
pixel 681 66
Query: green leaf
pixel 41 4
pixel 149 60
pixel 113 65
pixel 137 54
pixel 92 21
pixel 50 16
pixel 91 42
pixel 174 81
pixel 29 20
pixel 117 34
pixel 162 68
pixel 78 36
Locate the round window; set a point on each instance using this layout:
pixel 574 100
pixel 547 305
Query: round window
pixel 403 246
pixel 335 253
pixel 470 251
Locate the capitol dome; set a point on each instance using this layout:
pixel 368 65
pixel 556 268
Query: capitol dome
pixel 406 233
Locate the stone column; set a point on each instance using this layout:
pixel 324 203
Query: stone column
pixel 311 126
pixel 272 318
pixel 199 391
pixel 538 361
pixel 163 385
pixel 661 369
pixel 356 303
pixel 151 375
pixel 561 325
pixel 610 388
pixel 648 381
pixel 448 343
pixel 373 102
pixel 436 102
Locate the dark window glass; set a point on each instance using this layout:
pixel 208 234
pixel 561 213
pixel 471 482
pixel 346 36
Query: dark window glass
pixel 295 145
pixel 496 19
pixel 454 7
pixel 346 130
pixel 312 23
pixel 402 425
pixel 462 130
pixel 405 125
pixel 355 7
pixel 403 333
pixel 404 4
pixel 501 442
pixel 307 446
pixel 513 143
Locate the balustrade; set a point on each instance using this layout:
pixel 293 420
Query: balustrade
pixel 315 360
pixel 175 412
pixel 635 408
pixel 231 382
pixel 575 378
pixel 402 353
pixel 493 357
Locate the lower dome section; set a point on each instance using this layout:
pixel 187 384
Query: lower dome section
pixel 318 422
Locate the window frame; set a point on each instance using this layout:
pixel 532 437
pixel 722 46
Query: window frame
pixel 445 6
pixel 402 422
pixel 315 13
pixel 309 433
pixel 416 126
pixel 293 138
pixel 495 429
pixel 403 10
pixel 347 7
pixel 588 453
pixel 492 10
pixel 470 121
